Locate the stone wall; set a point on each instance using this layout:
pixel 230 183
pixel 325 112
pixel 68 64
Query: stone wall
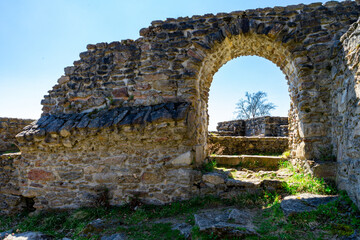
pixel 128 151
pixel 261 126
pixel 230 145
pixel 9 127
pixel 131 116
pixel 231 128
pixel 10 195
pixel 345 105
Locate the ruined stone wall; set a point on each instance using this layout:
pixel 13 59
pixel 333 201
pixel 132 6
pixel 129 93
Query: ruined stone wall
pixel 234 127
pixel 265 126
pixel 260 126
pixel 9 127
pixel 131 116
pixel 128 151
pixel 230 145
pixel 346 121
pixel 10 196
pixel 175 60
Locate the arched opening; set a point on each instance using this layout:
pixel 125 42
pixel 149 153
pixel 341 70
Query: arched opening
pixel 241 75
pixel 231 47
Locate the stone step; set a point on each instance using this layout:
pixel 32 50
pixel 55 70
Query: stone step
pixel 220 183
pixel 248 161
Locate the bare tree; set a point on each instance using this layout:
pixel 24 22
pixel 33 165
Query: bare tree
pixel 254 105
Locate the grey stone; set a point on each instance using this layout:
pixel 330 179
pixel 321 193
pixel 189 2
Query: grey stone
pixel 240 217
pixel 122 114
pixel 213 178
pixel 93 227
pixel 160 114
pixel 116 236
pixel 226 223
pixel 304 202
pixel 54 126
pixel 184 228
pixel 29 236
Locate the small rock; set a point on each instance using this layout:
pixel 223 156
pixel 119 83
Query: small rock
pixel 116 236
pixel 184 228
pixel 222 223
pixel 93 227
pixel 29 236
pixel 240 217
pixel 272 185
pixel 304 202
pixel 182 160
pixel 213 178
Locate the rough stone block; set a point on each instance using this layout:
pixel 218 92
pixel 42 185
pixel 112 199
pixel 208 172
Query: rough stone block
pixel 40 175
pixel 213 178
pixel 184 159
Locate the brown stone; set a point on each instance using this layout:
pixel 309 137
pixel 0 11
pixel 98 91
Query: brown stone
pixel 155 77
pixel 142 86
pixel 120 92
pixel 150 178
pixel 40 175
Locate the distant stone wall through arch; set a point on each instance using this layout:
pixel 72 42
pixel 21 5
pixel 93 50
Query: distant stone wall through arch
pixel 131 116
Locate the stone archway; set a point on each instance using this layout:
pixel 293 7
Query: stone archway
pixel 243 45
pixel 145 101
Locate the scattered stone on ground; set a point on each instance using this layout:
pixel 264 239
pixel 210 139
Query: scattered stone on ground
pixel 225 222
pixel 29 236
pixel 116 236
pixel 178 223
pixel 304 202
pixel 93 227
pixel 184 228
pixel 230 222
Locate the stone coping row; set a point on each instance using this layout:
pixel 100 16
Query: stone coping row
pixel 63 124
pixel 248 137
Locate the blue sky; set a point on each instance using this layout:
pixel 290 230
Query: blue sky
pixel 38 38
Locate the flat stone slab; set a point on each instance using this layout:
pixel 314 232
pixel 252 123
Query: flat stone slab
pixel 226 223
pixel 229 160
pixel 304 202
pixel 248 161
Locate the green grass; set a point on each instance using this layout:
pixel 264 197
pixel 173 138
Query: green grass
pixel 208 166
pixel 301 182
pixel 340 217
pixel 71 223
pixel 153 231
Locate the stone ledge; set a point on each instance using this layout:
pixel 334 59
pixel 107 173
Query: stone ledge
pixel 252 138
pixel 64 124
pixel 252 161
